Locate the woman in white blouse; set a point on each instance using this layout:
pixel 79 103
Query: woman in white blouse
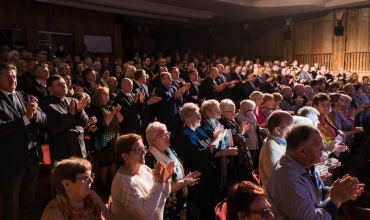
pixel 137 191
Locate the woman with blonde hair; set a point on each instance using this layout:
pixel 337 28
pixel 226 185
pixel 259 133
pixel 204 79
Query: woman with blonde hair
pixel 74 200
pixel 130 71
pixel 13 57
pixel 104 138
pixel 158 139
pixel 257 98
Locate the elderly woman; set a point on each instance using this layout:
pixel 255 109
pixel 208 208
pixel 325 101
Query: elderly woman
pixel 257 98
pixel 243 163
pixel 197 150
pixel 104 138
pixel 158 139
pixel 21 67
pixel 254 133
pixel 130 71
pixel 13 57
pixel 210 111
pixel 247 201
pixel 138 192
pixel 341 121
pixel 72 180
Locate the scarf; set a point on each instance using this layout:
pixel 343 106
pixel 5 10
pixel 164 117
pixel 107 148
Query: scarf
pixel 178 169
pixel 70 211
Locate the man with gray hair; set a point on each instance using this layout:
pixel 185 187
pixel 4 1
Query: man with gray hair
pixel 288 103
pixel 305 76
pixel 294 188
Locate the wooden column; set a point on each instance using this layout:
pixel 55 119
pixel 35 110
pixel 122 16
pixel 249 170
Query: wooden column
pixel 339 44
pixel 288 50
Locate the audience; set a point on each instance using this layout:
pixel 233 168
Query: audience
pixel 223 146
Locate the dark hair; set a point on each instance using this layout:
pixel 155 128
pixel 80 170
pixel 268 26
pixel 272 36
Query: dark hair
pixel 240 197
pixel 51 79
pixel 124 144
pixel 68 169
pixel 315 82
pixel 40 65
pixel 6 67
pixel 298 135
pixel 365 77
pixel 319 97
pixel 138 74
pixel 172 69
pixel 193 71
pixel 334 97
pixel 29 60
pixel 85 72
pixel 276 119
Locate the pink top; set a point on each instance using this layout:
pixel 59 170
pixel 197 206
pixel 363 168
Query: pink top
pixel 259 115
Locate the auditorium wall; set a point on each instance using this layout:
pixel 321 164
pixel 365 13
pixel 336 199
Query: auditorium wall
pixel 312 40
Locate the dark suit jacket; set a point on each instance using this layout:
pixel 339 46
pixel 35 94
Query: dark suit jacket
pixel 130 112
pixel 65 131
pixel 248 89
pixel 169 106
pixel 237 91
pixel 39 91
pixel 13 133
pixel 89 88
pixel 194 92
pixel 24 81
pixel 224 94
pixel 209 89
pixel 146 111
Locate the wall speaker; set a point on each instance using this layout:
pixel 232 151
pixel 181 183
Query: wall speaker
pixel 287 35
pixel 119 19
pixel 338 30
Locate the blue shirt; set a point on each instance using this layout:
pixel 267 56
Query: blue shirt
pixel 293 195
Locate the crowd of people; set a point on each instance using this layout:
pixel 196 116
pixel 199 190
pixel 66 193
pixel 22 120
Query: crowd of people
pixel 175 135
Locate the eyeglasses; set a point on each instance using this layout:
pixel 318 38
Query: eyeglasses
pixel 230 111
pixel 198 116
pixel 165 134
pixel 264 213
pixel 86 179
pixel 140 150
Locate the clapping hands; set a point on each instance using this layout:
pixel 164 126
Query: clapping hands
pixel 161 174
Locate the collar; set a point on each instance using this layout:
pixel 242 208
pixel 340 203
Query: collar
pixel 277 139
pixel 294 164
pixel 127 94
pixel 139 84
pixel 7 93
pixel 41 82
pixel 59 99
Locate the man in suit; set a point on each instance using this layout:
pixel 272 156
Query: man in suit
pixel 195 92
pixel 274 145
pixel 237 92
pixel 169 106
pixel 139 87
pixel 67 120
pixel 20 149
pixel 113 90
pixel 305 77
pixel 131 108
pixel 90 81
pixel 26 79
pixel 221 79
pixel 295 178
pixel 250 85
pixel 209 85
pixel 39 89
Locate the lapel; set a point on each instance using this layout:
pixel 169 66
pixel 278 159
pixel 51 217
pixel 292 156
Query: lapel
pixel 21 101
pixel 6 102
pixel 59 108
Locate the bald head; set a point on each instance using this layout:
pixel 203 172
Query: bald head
pixel 126 85
pixel 279 123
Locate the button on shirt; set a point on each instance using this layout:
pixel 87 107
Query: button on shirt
pixel 293 195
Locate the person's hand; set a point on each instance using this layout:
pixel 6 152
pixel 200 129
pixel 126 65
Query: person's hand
pixel 343 189
pixel 360 189
pixel 168 171
pixel 31 109
pixel 179 93
pixel 117 108
pixel 230 151
pixel 72 107
pixel 281 86
pixel 92 128
pixel 325 175
pixel 154 99
pixel 340 148
pixel 299 100
pixel 35 101
pixel 155 75
pixel 231 85
pixel 243 127
pixel 357 129
pixel 343 135
pixel 79 89
pixel 192 178
pixel 92 120
pixel 220 87
pixel 352 112
pixel 142 97
pixel 186 87
pixel 219 133
pixel 269 79
pixel 81 104
pixel 158 172
pixel 136 97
